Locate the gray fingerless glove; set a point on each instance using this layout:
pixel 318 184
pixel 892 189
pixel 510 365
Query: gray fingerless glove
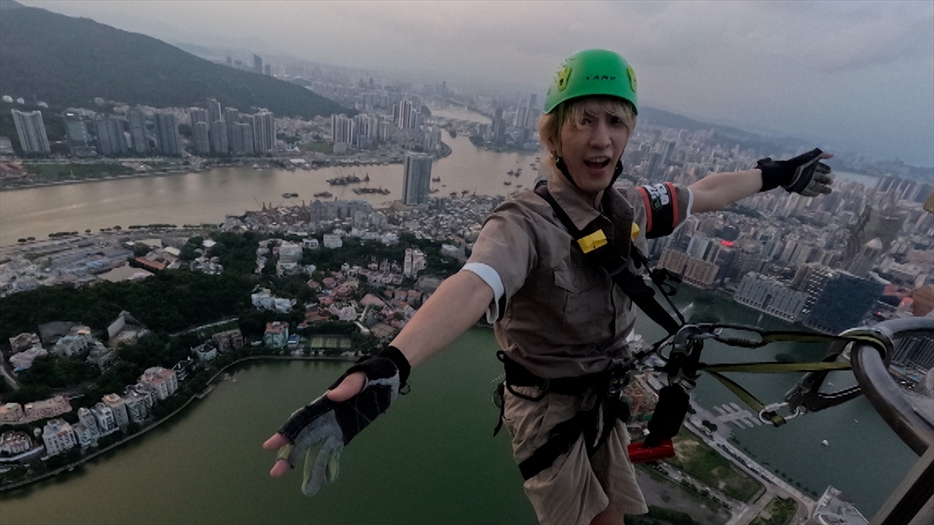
pixel 804 174
pixel 333 425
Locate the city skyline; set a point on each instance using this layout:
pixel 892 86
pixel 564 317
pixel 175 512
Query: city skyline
pixel 855 76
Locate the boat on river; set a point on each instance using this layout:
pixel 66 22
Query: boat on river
pixel 324 194
pixel 347 179
pixel 381 191
pixel 289 195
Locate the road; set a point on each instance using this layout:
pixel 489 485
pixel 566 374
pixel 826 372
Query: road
pixel 774 486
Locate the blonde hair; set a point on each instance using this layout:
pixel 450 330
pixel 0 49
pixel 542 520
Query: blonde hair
pixel 572 112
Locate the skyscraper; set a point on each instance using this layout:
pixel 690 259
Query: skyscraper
pixel 79 140
pixel 417 179
pixel 246 137
pixel 534 112
pixel 264 133
pixel 200 136
pixel 198 115
pixel 110 137
pixel 234 140
pixel 343 129
pixel 257 64
pixel 231 115
pixel 30 129
pixel 219 143
pixel 137 121
pixel 845 300
pixel 170 143
pixel 407 114
pixel 214 111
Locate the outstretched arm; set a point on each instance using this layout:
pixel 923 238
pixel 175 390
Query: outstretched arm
pixel 718 190
pixel 456 306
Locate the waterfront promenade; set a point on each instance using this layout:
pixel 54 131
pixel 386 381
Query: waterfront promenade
pixel 209 386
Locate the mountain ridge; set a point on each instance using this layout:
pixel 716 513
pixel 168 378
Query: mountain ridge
pixel 68 61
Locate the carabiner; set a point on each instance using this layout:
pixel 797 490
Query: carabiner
pixel 774 407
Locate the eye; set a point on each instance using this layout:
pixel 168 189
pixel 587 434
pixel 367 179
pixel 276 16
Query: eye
pixel 616 121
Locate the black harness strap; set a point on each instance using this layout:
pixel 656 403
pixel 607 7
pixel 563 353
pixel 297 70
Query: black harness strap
pixel 561 440
pixel 608 258
pixel 564 435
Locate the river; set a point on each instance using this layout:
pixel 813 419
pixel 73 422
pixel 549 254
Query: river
pixel 209 196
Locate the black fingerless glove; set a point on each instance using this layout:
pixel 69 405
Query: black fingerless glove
pixel 333 425
pixel 804 174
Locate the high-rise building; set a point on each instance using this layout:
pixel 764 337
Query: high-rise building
pixel 843 303
pixel 917 351
pixel 76 131
pixel 200 135
pixel 137 122
pixel 771 297
pixel 521 116
pixel 533 113
pixel 864 261
pixel 257 64
pixel 30 129
pixel 170 143
pixel 219 142
pixel 343 129
pixel 198 115
pixel 267 70
pixel 231 115
pixel 693 270
pixel 264 133
pixel 110 137
pixel 245 140
pixel 406 114
pixel 214 111
pixel 883 222
pixel 417 179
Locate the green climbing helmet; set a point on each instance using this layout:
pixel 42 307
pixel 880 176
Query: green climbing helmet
pixel 592 72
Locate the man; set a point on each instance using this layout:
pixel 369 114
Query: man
pixel 560 320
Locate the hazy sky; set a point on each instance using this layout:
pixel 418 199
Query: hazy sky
pixel 845 72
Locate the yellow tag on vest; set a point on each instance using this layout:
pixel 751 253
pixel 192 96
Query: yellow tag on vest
pixel 592 241
pixel 635 231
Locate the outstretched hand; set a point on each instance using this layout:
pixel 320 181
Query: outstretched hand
pixel 804 174
pixel 349 387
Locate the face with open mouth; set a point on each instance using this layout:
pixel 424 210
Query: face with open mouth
pixel 592 144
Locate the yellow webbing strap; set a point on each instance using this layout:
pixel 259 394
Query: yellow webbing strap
pixel 769 367
pixel 748 398
pixel 829 364
pixel 593 241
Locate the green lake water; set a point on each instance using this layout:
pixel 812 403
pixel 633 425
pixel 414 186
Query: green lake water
pixel 431 459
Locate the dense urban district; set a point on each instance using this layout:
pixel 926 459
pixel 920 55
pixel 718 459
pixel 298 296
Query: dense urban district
pixel 106 333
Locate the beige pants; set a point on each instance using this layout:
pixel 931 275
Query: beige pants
pixel 575 488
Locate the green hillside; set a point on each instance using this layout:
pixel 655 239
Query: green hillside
pixel 67 61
